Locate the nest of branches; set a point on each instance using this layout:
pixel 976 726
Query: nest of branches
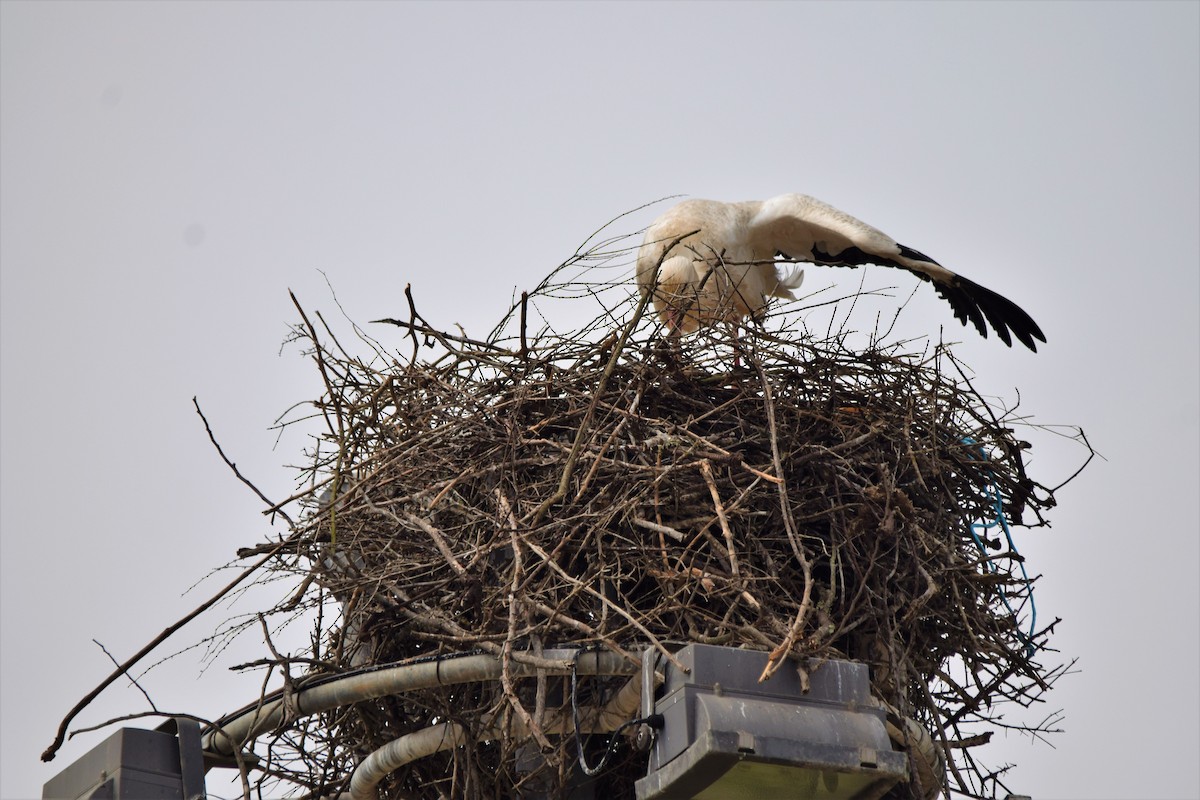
pixel 615 489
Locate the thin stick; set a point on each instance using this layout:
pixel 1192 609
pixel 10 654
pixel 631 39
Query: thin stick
pixel 123 669
pixel 666 530
pixel 584 426
pixel 730 547
pixel 779 654
pixel 272 508
pixel 514 587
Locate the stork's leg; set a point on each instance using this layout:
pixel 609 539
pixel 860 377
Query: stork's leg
pixel 674 320
pixel 735 335
pixel 738 349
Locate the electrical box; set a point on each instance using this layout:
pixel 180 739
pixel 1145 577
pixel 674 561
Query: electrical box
pixel 136 764
pixel 727 736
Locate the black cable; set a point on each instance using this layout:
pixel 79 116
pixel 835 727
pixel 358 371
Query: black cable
pixel 654 720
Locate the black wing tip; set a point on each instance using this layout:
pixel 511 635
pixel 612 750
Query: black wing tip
pixel 975 303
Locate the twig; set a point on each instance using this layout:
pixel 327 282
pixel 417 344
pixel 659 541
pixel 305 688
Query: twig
pixel 584 426
pixel 132 679
pixel 272 508
pixel 506 651
pixel 730 547
pixel 778 655
pixel 123 668
pixel 666 530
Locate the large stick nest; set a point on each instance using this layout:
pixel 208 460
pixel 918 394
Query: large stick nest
pixel 609 487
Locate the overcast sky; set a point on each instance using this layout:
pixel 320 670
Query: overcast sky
pixel 169 170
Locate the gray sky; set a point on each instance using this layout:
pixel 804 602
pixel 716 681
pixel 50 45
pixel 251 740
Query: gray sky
pixel 168 171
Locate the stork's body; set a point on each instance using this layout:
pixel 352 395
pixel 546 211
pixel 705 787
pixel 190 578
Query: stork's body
pixel 725 268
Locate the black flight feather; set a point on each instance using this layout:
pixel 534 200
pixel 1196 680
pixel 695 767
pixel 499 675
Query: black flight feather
pixel 971 302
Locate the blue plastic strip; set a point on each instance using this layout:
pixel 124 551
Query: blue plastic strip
pixel 1001 521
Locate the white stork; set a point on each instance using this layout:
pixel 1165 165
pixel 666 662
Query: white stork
pixel 724 267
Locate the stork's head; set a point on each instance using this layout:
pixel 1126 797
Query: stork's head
pixel 686 294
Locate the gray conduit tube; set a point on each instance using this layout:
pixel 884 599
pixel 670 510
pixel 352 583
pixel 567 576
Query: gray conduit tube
pixel 352 689
pixel 410 747
pixel 396 754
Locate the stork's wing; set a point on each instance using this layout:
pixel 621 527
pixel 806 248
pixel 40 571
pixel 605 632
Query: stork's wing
pixel 805 229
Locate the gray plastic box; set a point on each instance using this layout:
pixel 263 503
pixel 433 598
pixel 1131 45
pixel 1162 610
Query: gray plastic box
pixel 727 736
pixel 132 764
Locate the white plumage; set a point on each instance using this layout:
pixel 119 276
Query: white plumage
pixel 724 267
